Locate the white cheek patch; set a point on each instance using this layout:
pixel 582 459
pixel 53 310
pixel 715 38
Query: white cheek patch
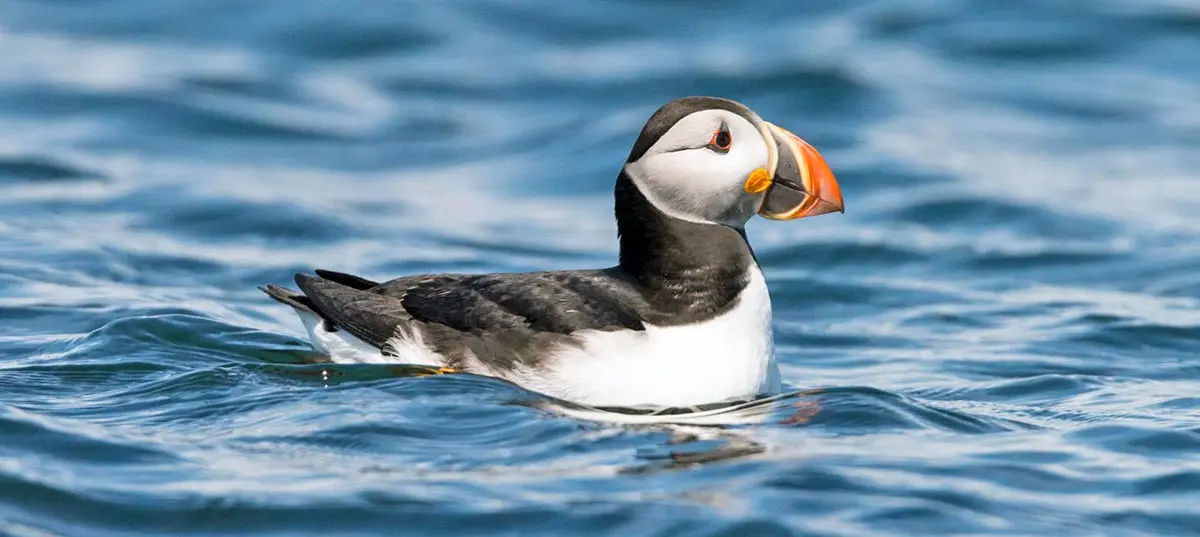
pixel 691 185
pixel 689 181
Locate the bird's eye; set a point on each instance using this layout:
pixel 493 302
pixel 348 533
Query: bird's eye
pixel 721 140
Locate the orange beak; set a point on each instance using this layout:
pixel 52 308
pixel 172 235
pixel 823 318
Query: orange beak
pixel 802 184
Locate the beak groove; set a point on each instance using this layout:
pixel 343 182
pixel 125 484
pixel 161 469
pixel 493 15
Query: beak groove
pixel 803 184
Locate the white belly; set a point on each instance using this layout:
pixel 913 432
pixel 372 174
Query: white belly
pixel 731 356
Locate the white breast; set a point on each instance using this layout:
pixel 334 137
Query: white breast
pixel 730 356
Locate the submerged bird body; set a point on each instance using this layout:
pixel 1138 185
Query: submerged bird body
pixel 683 319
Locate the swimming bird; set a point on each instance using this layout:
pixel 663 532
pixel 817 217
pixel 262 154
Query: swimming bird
pixel 683 319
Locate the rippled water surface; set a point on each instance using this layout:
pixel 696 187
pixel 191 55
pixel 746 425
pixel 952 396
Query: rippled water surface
pixel 1001 335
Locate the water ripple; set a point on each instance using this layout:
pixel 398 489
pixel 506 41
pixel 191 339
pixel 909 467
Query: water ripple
pixel 997 338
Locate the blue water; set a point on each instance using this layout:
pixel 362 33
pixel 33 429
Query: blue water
pixel 1000 336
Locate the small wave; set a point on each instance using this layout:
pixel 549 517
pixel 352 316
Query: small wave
pixel 38 170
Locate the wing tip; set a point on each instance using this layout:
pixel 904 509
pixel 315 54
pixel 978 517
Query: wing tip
pixel 349 280
pixel 301 279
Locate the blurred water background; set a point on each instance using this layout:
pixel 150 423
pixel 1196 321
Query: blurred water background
pixel 1000 336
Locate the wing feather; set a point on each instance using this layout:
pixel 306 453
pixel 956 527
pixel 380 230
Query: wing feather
pixel 371 317
pixel 349 280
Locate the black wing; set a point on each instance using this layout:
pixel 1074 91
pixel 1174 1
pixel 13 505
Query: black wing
pixel 372 317
pixel 349 280
pixel 499 318
pixel 557 302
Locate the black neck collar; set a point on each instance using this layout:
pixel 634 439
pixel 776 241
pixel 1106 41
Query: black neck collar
pixel 683 268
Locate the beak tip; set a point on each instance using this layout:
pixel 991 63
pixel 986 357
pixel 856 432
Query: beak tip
pixel 826 185
pixel 819 192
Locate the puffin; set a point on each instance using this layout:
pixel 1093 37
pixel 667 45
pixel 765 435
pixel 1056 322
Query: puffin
pixel 684 317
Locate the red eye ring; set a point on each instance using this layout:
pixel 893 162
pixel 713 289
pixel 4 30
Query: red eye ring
pixel 721 140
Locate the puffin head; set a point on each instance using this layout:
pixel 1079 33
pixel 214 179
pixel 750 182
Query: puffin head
pixel 712 160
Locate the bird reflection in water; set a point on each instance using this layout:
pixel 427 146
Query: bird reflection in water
pixel 700 435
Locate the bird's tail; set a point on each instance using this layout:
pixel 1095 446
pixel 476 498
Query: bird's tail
pixel 290 297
